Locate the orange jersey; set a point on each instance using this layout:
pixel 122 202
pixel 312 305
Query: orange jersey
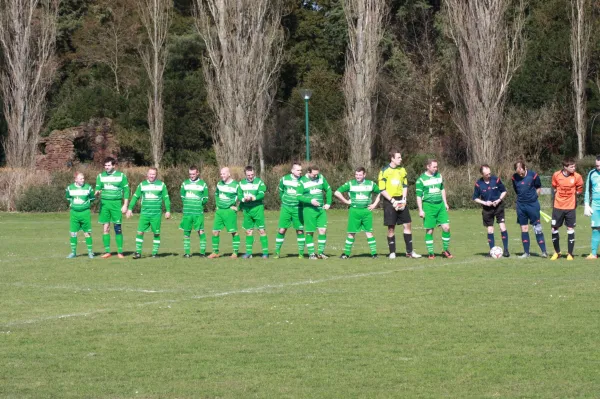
pixel 566 187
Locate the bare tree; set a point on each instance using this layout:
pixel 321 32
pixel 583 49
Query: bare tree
pixel 363 57
pixel 109 38
pixel 244 43
pixel 581 30
pixel 156 18
pixel 488 35
pixel 28 39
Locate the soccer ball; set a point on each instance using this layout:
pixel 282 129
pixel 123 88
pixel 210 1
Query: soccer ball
pixel 496 252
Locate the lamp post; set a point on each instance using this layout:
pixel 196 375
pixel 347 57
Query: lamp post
pixel 306 93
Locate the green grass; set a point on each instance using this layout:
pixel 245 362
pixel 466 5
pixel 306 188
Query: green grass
pixel 289 328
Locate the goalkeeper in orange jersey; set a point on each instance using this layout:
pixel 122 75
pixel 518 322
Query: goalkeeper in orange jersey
pixel 566 184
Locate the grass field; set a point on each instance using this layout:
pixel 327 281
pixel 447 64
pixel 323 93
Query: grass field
pixel 196 328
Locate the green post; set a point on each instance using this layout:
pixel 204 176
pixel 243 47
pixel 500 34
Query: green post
pixel 307 136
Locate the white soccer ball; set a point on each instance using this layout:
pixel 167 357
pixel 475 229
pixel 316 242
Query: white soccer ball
pixel 496 252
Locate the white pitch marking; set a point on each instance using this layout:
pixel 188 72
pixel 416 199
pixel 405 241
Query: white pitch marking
pixel 236 292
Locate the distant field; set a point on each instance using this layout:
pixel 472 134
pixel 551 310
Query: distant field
pixel 186 328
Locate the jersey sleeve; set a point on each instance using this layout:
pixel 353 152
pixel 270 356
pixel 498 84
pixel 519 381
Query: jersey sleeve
pixel 165 197
pixel 91 195
pixel 182 190
pixel 67 194
pixel 588 187
pixel 554 181
pixel 578 183
pixel 476 192
pixel 240 193
pixel 328 193
pixel 405 179
pixel 126 190
pixel 281 188
pixel 205 194
pixel 537 182
pixel 300 193
pixel 418 188
pixel 134 198
pixel 514 184
pixel 381 181
pixel 262 190
pixel 344 188
pixel 501 187
pixel 442 183
pixel 376 189
pixel 98 183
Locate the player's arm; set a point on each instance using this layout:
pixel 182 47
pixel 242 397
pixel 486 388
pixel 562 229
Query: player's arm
pixel 477 195
pixel 375 203
pixel 444 199
pixel 205 195
pixel 537 183
pixel 91 195
pixel 405 187
pixel 419 195
pixel 587 197
pixel 262 189
pixel 328 195
pixel 98 185
pixel 126 191
pixel 382 181
pixel 578 184
pixel 343 189
pixel 134 199
pixel 303 194
pixel 240 193
pixel 167 201
pixel 182 190
pixel 67 194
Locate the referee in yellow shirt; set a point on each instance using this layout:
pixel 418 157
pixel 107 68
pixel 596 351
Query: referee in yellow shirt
pixel 394 188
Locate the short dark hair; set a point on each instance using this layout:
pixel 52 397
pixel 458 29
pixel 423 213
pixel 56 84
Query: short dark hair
pixel 154 169
pixel 393 152
pixel 485 165
pixel 249 168
pixel 294 163
pixel 311 168
pixel 568 161
pixel 193 167
pixel 430 161
pixel 520 162
pixel 111 160
pixel 597 157
pixel 361 169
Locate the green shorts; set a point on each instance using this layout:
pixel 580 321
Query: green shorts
pixel 148 223
pixel 360 219
pixel 291 216
pixel 435 215
pixel 254 218
pixel 110 212
pixel 225 218
pixel 314 218
pixel 81 220
pixel 192 222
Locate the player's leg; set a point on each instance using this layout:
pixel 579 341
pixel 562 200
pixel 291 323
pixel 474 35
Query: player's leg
pixel 557 221
pixel 348 246
pixel 199 227
pixel 310 226
pixel 143 226
pixel 73 229
pixel 104 218
pixel 405 220
pixel 218 225
pixel 322 238
pixel 389 220
pixel 298 222
pixel 259 223
pixel 537 228
pixel 570 221
pixel 248 225
pixel 155 223
pixel 230 217
pixel 443 220
pixel 503 232
pixel 429 223
pixel 285 221
pixel 488 222
pixel 523 221
pixel 595 240
pixel 117 219
pixel 366 224
pixel 186 226
pixel 86 226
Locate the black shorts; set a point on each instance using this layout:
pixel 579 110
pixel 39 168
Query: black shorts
pixel 563 216
pixel 392 217
pixel 491 212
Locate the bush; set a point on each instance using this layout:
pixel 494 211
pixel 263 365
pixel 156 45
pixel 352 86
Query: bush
pixel 43 199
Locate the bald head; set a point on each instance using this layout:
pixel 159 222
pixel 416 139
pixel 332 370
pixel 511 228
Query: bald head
pixel 225 174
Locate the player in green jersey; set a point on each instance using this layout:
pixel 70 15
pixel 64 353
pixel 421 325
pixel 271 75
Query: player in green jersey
pixel 194 195
pixel 314 211
pixel 433 207
pixel 80 195
pixel 153 193
pixel 251 192
pixel 360 216
pixel 226 213
pixel 290 213
pixel 114 188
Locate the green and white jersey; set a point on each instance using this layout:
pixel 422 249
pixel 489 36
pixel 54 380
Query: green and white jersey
pixel 226 194
pixel 429 188
pixel 79 197
pixel 114 186
pixel 256 187
pixel 360 193
pixel 311 189
pixel 152 195
pixel 194 195
pixel 288 190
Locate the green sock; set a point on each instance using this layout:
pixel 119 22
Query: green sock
pixel 429 243
pixel 155 244
pixel 301 241
pixel 202 243
pixel 446 239
pixel 139 241
pixel 310 243
pixel 216 240
pixel 73 242
pixel 106 241
pixel 249 244
pixel 186 242
pixel 322 243
pixel 348 246
pixel 372 245
pixel 264 243
pixel 235 243
pixel 119 240
pixel 88 243
pixel 279 242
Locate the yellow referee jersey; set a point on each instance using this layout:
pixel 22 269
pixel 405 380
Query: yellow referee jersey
pixel 393 180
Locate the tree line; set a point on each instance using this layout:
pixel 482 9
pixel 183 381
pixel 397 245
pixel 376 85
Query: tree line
pixel 220 81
